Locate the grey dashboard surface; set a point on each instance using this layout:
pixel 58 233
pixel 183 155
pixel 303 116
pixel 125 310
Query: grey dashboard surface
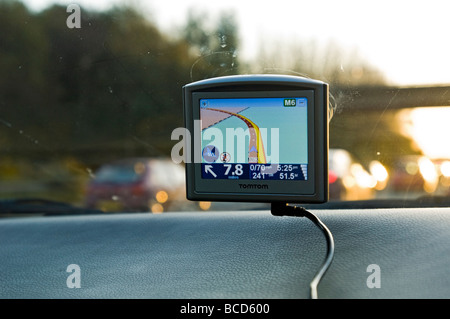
pixel 249 254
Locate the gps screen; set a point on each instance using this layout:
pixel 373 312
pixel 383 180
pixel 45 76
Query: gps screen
pixel 254 138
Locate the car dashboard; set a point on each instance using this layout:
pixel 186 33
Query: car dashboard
pixel 222 255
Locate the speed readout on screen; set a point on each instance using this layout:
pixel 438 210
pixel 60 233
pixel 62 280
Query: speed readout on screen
pixel 265 138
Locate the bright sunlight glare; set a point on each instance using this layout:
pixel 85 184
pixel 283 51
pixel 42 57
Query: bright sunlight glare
pixel 429 128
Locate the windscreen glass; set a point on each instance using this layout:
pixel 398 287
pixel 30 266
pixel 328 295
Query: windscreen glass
pixel 88 84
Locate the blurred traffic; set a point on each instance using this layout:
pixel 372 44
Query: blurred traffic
pixel 350 180
pixel 410 176
pixel 139 184
pixel 157 185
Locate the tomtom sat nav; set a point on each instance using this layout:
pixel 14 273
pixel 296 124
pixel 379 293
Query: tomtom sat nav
pixel 257 138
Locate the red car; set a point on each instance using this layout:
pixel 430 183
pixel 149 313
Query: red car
pixel 139 184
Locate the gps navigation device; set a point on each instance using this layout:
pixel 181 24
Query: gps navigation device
pixel 257 138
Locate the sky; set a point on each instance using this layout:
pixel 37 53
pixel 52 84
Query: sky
pixel 406 40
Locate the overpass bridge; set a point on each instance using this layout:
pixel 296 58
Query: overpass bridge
pixel 374 98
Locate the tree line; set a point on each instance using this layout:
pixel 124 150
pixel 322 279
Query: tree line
pixel 112 88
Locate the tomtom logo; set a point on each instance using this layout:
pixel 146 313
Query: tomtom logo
pixel 254 186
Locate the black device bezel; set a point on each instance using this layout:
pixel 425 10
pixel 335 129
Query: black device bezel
pixel 314 190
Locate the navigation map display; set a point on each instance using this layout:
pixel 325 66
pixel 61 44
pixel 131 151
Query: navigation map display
pixel 254 138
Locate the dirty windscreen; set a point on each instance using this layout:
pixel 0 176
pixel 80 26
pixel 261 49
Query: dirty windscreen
pixel 91 92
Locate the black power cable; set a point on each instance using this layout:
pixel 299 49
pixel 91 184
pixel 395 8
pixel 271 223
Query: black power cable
pixel 283 209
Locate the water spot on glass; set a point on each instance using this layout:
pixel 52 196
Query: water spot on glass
pixel 115 197
pixel 110 89
pixel 89 171
pixel 5 123
pixel 223 41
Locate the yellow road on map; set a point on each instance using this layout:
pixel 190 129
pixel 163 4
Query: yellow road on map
pixel 259 142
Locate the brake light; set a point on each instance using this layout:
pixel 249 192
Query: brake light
pixel 332 177
pixel 137 190
pixel 162 197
